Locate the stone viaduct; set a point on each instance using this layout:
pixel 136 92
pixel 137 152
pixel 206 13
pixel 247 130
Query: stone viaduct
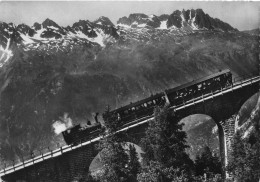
pixel 71 163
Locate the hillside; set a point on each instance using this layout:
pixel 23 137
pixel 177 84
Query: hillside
pixel 48 70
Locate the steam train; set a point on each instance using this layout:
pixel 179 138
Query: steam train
pixel 175 96
pixel 79 134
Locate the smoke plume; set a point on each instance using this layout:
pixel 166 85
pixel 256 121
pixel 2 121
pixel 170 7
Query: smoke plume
pixel 62 124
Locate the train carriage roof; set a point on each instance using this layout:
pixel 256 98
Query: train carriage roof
pixel 197 81
pixel 169 91
pixel 152 97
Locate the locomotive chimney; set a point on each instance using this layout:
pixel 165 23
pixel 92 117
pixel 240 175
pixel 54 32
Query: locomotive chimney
pixel 95 116
pixel 88 123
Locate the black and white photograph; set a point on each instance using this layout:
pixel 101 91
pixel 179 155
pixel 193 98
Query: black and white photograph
pixel 129 91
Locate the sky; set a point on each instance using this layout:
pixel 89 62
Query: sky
pixel 241 15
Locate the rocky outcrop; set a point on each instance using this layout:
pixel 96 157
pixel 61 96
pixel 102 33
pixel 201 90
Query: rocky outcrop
pixel 175 19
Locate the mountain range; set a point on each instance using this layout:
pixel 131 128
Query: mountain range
pixel 49 36
pixel 48 71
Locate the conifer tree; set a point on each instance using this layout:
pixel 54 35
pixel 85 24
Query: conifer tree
pixel 113 156
pixel 207 163
pixel 244 163
pixel 133 165
pixel 164 146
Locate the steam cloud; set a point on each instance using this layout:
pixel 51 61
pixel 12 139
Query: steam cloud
pixel 62 124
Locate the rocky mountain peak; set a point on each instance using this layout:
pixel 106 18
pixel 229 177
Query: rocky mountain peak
pixel 103 21
pixel 50 23
pixel 188 20
pixel 140 20
pixel 82 24
pixel 132 18
pixel 175 19
pixel 137 16
pixel 37 26
pixel 163 17
pixel 25 29
pixel 203 20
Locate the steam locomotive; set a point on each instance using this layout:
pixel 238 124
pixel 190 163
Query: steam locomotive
pixel 79 134
pixel 134 111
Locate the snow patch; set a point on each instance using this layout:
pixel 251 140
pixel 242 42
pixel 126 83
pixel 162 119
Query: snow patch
pixel 99 39
pixel 182 20
pixel 193 22
pixel 6 53
pixel 26 39
pixel 123 25
pixel 151 17
pixel 163 25
pixel 38 34
pixel 173 27
pixel 52 27
pixel 141 25
pixel 134 23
